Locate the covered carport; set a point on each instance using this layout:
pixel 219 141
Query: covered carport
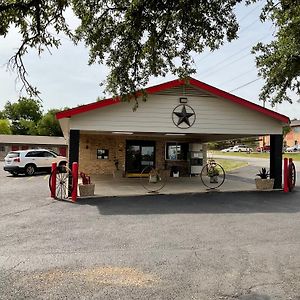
pixel 108 135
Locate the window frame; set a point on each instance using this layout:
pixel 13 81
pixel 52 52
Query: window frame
pixel 176 143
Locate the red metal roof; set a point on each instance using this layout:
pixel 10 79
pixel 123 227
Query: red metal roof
pixel 175 83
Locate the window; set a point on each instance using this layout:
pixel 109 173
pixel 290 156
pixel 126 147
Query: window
pixel 13 154
pixel 102 153
pixel 2 148
pixel 48 154
pixel 35 154
pixel 176 151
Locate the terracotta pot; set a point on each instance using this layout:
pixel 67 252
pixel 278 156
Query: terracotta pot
pixel 86 189
pixel 264 184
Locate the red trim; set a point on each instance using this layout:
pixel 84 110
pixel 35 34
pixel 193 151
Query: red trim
pixel 84 108
pixel 175 83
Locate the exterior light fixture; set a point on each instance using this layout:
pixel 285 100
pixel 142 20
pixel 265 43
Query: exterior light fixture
pixel 122 132
pixel 175 134
pixel 183 100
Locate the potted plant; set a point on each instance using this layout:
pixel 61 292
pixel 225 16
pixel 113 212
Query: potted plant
pixel 86 188
pixel 213 174
pixel 154 177
pixel 264 182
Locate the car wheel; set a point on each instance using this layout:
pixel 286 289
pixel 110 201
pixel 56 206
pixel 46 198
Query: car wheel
pixel 240 150
pixel 30 170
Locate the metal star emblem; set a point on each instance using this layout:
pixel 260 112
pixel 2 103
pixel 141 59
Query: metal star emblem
pixel 183 116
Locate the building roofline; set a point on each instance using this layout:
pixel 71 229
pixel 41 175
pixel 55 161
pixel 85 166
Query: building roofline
pixel 175 83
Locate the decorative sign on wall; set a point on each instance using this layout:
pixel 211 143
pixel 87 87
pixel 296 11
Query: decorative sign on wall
pixel 183 116
pixel 102 153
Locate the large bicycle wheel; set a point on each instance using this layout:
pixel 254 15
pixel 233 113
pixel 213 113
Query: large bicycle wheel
pixel 63 187
pixel 152 180
pixel 212 175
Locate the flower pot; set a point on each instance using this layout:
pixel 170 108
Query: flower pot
pixel 86 189
pixel 213 179
pixel 264 184
pixel 153 178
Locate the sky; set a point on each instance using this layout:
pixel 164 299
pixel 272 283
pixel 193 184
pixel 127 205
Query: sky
pixel 64 77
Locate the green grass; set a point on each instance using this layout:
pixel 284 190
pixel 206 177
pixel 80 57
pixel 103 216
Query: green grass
pixel 229 165
pixel 294 156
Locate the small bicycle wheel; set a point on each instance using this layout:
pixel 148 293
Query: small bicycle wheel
pixel 212 175
pixel 63 187
pixel 292 176
pixel 151 180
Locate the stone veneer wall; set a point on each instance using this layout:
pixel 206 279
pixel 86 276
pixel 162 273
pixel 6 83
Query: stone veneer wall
pixel 89 143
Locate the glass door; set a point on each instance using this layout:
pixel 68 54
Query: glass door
pixel 139 154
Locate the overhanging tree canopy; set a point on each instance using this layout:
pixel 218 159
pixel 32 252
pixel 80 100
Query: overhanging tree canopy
pixel 279 61
pixel 137 39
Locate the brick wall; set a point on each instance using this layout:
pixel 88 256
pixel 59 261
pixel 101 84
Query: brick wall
pixel 89 143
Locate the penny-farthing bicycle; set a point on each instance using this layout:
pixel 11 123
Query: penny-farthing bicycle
pixel 151 180
pixel 212 174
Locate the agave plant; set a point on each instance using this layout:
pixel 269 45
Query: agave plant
pixel 263 173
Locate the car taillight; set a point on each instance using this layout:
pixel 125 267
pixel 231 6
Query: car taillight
pixel 17 159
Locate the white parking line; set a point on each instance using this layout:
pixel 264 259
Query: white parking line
pixel 46 177
pixel 30 178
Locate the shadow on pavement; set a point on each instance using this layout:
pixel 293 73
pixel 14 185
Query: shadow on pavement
pixel 204 203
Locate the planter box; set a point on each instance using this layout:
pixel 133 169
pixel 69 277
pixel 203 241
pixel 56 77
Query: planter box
pixel 264 184
pixel 86 189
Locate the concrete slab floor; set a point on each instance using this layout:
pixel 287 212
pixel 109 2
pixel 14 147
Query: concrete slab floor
pixel 107 185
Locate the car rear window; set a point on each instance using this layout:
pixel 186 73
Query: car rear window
pixel 13 154
pixel 35 154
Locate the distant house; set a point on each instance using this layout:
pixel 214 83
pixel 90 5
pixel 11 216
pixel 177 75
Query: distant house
pixel 24 142
pixel 291 139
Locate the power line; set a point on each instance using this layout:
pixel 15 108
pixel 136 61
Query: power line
pixel 248 26
pixel 231 56
pixel 250 12
pixel 241 86
pixel 228 64
pixel 239 21
pixel 236 77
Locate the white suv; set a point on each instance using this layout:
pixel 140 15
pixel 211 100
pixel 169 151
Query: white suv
pixel 30 161
pixel 241 148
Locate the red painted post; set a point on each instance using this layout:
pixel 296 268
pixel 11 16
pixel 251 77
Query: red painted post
pixel 285 176
pixel 53 179
pixel 75 181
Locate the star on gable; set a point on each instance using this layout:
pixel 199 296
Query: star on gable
pixel 185 119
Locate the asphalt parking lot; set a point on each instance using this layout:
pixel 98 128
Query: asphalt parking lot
pixel 199 246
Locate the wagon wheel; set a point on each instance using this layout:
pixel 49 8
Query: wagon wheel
pixel 212 175
pixel 63 188
pixel 151 180
pixel 292 176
